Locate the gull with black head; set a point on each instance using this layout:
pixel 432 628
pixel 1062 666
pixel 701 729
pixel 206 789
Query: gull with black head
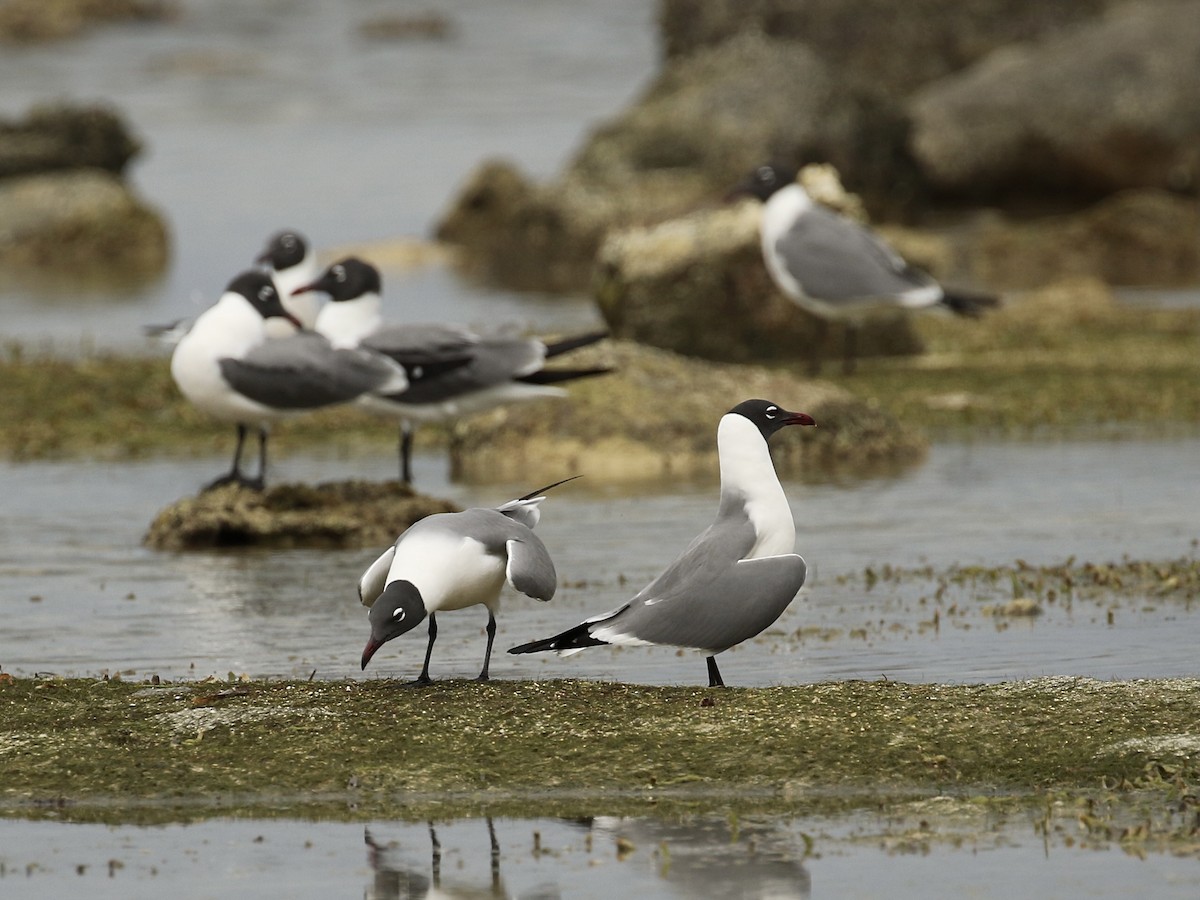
pixel 245 361
pixel 452 561
pixel 735 578
pixel 293 263
pixel 833 267
pixel 452 372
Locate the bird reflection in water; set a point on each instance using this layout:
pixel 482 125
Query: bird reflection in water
pixel 395 878
pixel 644 857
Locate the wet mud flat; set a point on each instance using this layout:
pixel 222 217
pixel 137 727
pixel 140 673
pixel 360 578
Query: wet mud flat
pixel 1121 759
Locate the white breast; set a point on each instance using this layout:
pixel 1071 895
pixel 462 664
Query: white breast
pixel 747 469
pixel 450 572
pixel 228 329
pixel 347 322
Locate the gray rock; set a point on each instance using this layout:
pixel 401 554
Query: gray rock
pixel 79 221
pixel 892 47
pixel 1110 105
pixel 57 137
pixel 703 123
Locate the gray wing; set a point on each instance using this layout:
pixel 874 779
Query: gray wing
pixel 423 345
pixel 713 615
pixel 834 259
pixel 492 362
pixel 709 554
pixel 303 371
pixel 530 569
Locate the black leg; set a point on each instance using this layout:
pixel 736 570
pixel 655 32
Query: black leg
pixel 849 348
pixel 487 657
pixel 260 482
pixel 495 857
pixel 436 865
pixel 234 476
pixel 714 674
pixel 406 445
pixel 424 678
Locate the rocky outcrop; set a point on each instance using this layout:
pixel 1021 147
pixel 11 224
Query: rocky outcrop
pixel 604 430
pixel 51 138
pixel 1108 106
pixel 63 204
pixel 892 47
pixel 79 221
pixel 700 127
pixel 37 21
pixel 338 514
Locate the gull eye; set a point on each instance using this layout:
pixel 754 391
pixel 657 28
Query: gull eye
pixel 289 241
pixel 339 272
pixel 766 174
pixel 398 615
pixel 265 293
pixel 771 411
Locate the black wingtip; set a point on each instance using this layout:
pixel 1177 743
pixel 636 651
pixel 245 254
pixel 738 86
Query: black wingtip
pixel 969 304
pixel 566 345
pixel 543 490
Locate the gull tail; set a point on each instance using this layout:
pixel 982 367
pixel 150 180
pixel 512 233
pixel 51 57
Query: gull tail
pixel 968 303
pixel 572 639
pixel 566 345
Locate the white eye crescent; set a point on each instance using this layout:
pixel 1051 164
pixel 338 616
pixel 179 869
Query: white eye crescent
pixel 265 292
pixel 339 272
pixel 770 412
pixel 398 614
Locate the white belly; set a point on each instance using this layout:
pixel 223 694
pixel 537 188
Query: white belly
pixel 450 573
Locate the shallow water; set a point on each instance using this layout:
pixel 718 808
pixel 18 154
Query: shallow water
pixel 258 116
pixel 83 596
pixel 551 858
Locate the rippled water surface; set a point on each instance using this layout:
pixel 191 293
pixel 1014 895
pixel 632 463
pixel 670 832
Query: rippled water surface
pixel 553 858
pixel 83 596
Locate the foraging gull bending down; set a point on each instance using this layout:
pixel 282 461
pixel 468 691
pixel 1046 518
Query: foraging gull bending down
pixel 293 264
pixel 835 268
pixel 454 560
pixel 735 578
pixel 452 372
pixel 243 361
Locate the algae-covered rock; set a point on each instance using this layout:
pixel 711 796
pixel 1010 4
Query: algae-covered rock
pixel 335 514
pixel 697 285
pixel 37 21
pixel 657 414
pixel 65 136
pixel 82 220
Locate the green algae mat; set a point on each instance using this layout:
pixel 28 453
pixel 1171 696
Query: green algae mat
pixel 116 750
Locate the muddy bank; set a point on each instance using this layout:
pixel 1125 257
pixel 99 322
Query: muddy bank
pixel 369 748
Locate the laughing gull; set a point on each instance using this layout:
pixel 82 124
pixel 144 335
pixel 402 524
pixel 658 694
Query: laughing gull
pixel 454 560
pixel 735 578
pixel 452 372
pixel 833 267
pixel 293 263
pixel 243 361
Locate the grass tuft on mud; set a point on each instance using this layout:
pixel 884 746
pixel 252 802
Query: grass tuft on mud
pixel 80 746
